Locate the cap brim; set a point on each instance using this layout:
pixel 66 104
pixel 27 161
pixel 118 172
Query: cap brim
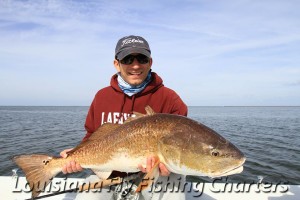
pixel 127 52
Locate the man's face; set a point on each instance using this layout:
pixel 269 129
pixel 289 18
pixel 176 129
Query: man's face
pixel 134 73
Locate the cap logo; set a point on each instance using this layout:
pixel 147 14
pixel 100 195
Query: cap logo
pixel 129 41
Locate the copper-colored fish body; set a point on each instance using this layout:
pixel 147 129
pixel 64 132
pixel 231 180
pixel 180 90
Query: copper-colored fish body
pixel 185 146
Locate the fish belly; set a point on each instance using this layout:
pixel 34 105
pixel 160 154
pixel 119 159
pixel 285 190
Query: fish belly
pixel 120 162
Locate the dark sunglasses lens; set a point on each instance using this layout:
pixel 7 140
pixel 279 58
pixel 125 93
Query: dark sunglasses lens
pixel 127 60
pixel 142 59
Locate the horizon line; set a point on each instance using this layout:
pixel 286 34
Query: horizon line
pixel 187 106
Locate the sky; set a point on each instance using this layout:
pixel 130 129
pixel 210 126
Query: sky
pixel 211 52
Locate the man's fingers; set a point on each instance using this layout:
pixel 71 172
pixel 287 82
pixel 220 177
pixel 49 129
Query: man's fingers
pixel 163 170
pixel 71 167
pixel 64 169
pixel 152 162
pixel 141 168
pixel 149 164
pixel 78 167
pixel 64 153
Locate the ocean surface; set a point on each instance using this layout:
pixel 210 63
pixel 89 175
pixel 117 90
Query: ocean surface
pixel 268 136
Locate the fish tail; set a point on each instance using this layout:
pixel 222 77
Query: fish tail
pixel 38 170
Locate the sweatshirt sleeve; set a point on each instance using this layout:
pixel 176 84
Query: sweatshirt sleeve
pixel 179 107
pixel 89 122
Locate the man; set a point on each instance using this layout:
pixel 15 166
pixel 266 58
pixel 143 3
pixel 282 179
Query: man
pixel 131 89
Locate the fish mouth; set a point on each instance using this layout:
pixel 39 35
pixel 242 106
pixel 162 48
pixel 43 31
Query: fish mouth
pixel 237 170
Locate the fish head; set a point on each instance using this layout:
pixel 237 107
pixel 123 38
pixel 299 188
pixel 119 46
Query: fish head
pixel 194 149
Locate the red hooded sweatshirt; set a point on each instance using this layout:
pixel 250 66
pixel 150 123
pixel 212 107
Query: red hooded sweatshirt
pixel 112 105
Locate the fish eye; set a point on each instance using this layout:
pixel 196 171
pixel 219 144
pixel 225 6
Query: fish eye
pixel 215 153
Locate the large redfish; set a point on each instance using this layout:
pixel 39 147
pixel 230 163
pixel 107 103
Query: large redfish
pixel 185 146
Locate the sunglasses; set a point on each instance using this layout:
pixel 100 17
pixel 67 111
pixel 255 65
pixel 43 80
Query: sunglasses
pixel 142 59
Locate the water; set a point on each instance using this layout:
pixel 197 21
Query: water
pixel 268 136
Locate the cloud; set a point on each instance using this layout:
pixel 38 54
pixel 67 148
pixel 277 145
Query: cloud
pixel 294 83
pixel 222 49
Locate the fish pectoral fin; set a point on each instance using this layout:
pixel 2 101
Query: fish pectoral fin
pixel 102 175
pixel 150 177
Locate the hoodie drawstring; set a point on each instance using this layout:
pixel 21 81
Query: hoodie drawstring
pixel 121 109
pixel 132 104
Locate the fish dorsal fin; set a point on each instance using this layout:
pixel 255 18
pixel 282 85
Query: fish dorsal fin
pixel 137 115
pixel 133 117
pixel 101 132
pixel 149 110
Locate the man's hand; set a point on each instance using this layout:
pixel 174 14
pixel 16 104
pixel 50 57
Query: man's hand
pixel 71 166
pixel 163 170
pixel 150 163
